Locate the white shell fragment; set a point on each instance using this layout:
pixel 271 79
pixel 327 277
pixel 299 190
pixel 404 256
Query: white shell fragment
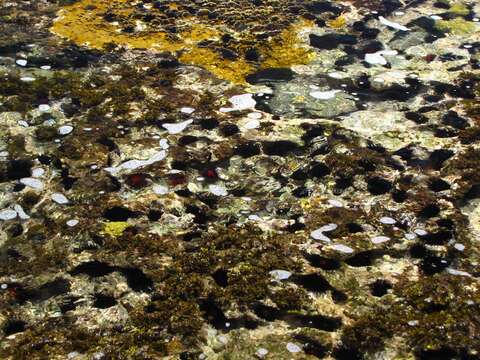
pixel 293 348
pixel 342 248
pixel 262 352
pixel 32 183
pixel 38 172
pixel 187 110
pixel 176 128
pixel 21 213
pixel 135 164
pixel 280 274
pixel 380 239
pixel 44 107
pixel 160 189
pixel 324 95
pixel 218 190
pixel 318 235
pixel 240 102
pixel 72 222
pixel 457 272
pixel 328 227
pixel 377 57
pixel 251 124
pixel 60 198
pixel 65 129
pixel 387 220
pixel 459 247
pixel 7 214
pixel 21 62
pixel 392 24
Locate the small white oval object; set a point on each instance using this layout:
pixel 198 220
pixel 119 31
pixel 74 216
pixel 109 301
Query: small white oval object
pixel 280 274
pixel 7 214
pixel 65 129
pixel 380 239
pixel 342 248
pixel 218 190
pixel 324 95
pixel 32 183
pixel 59 198
pixel 21 62
pixel 38 172
pixel 387 220
pixel 72 222
pixel 44 107
pixel 293 348
pixel 328 227
pixel 160 189
pixel 251 124
pixel 187 110
pixel 459 247
pixel 261 352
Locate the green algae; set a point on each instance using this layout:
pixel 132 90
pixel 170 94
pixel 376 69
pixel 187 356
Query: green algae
pixel 457 26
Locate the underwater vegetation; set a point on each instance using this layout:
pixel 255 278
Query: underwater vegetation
pixel 265 179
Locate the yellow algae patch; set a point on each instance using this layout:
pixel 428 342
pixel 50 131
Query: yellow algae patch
pixel 287 49
pixel 459 9
pixel 115 228
pixel 197 41
pixel 338 22
pixel 83 23
pixel 234 71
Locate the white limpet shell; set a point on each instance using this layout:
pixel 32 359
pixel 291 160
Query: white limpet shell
pixel 135 164
pixel 8 214
pixel 335 203
pixel 218 190
pixel 324 95
pixel 261 352
pixel 387 220
pixel 410 236
pixel 164 144
pixel 255 115
pixel 380 239
pixel 21 213
pixel 32 183
pixel 187 110
pixel 377 58
pixel 318 235
pixel 392 24
pixel 342 248
pixel 27 79
pixel 60 198
pixel 280 274
pixel 251 124
pixel 176 128
pixel 38 172
pixel 72 222
pixel 457 272
pixel 328 227
pixel 420 232
pixel 65 129
pixel 160 189
pixel 240 102
pixel 293 348
pixel 459 247
pixel 44 107
pixel 21 62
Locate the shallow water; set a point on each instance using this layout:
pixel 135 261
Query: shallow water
pixel 276 179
